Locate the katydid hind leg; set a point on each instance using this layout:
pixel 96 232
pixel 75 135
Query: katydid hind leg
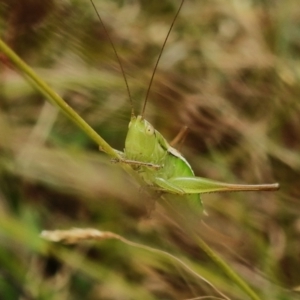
pixel 199 185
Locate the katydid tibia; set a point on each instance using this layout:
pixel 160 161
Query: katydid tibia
pixel 161 166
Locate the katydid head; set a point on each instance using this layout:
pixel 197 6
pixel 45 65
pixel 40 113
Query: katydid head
pixel 141 141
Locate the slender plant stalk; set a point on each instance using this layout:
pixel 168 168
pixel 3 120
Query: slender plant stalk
pixel 54 98
pixel 227 269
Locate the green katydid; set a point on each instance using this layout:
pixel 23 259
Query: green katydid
pixel 158 164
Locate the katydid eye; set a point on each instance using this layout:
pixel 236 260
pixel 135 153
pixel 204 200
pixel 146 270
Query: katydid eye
pixel 149 130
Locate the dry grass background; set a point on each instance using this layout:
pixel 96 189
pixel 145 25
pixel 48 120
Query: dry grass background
pixel 230 72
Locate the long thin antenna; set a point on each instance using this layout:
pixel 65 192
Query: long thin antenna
pixel 117 56
pixel 158 59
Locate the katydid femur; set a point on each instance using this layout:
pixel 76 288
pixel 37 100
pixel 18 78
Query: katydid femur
pixel 158 164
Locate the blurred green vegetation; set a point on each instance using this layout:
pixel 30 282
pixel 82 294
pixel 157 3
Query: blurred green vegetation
pixel 230 72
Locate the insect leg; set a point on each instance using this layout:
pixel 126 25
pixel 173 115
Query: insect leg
pixel 199 185
pixel 179 138
pixel 136 163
